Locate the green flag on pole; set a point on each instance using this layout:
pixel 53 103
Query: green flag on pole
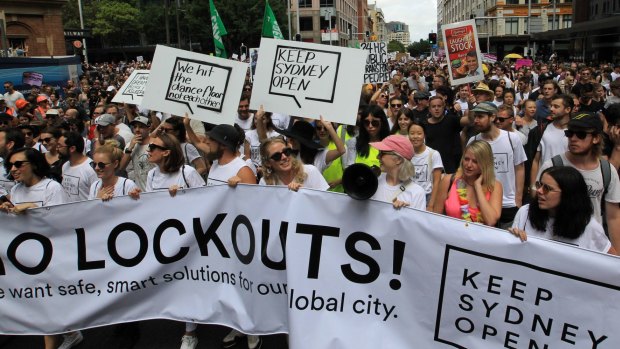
pixel 270 25
pixel 218 31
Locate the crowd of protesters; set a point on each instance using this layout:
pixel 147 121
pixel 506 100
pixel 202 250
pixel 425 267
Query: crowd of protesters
pixel 489 152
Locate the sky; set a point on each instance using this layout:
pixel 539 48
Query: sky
pixel 419 15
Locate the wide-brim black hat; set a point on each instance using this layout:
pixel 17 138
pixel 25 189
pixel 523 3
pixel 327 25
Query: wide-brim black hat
pixel 301 131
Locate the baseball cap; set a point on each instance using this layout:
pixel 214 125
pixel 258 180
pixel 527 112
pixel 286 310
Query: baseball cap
pixel 421 95
pixel 140 120
pixel 21 103
pixel 105 120
pixel 396 143
pixel 588 121
pixel 226 135
pixel 486 108
pixel 51 112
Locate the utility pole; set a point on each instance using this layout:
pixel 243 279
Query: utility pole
pixel 166 10
pixel 83 32
pixel 178 24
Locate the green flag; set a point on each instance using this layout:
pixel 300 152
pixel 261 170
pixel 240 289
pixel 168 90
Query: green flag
pixel 218 31
pixel 270 25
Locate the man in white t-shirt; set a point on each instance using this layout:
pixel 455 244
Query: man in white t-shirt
pixel 77 173
pixel 223 142
pixel 11 94
pixel 244 118
pixel 585 147
pixel 509 158
pixel 553 141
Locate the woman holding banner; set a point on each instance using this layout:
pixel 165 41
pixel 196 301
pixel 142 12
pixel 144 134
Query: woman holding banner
pixel 562 211
pixel 106 161
pixel 373 128
pixel 472 193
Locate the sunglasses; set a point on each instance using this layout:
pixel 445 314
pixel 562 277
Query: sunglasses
pixel 27 134
pixel 579 134
pixel 46 140
pixel 153 146
pixel 278 156
pixel 100 165
pixel 17 164
pixel 396 105
pixel 546 188
pixel 374 123
pixel 498 119
pixel 382 96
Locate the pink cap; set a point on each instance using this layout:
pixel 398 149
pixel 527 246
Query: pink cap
pixel 396 143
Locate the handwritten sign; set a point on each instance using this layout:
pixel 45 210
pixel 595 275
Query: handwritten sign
pixel 32 78
pixel 206 87
pixel 523 62
pixel 376 62
pixel 308 80
pixel 132 90
pixel 463 52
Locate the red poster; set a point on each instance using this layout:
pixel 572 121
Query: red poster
pixel 463 53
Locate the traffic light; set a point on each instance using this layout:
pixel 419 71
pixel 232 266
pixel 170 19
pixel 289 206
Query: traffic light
pixel 432 38
pixel 367 33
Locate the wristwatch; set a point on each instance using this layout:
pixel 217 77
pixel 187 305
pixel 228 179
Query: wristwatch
pixel 128 151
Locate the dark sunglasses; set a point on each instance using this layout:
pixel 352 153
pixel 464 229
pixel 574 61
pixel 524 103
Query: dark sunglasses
pixel 546 188
pixel 17 164
pixel 100 165
pixel 153 146
pixel 27 134
pixel 46 140
pixel 396 105
pixel 382 96
pixel 374 123
pixel 278 156
pixel 579 134
pixel 498 119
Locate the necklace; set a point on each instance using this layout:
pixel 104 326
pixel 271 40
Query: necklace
pixel 470 214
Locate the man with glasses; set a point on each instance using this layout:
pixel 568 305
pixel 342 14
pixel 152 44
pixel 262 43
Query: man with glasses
pixel 11 95
pixel 585 77
pixel 585 147
pixel 31 133
pixel 420 112
pixel 77 173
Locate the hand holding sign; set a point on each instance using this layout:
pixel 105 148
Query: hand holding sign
pixel 132 90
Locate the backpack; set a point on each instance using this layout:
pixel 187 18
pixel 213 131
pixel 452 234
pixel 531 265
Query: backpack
pixel 605 170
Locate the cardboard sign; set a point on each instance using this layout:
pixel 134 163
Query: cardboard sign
pixel 140 58
pixel 463 52
pixel 309 80
pixel 32 78
pixel 376 62
pixel 132 90
pixel 206 87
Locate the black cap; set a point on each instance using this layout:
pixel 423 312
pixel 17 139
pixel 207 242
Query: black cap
pixel 226 135
pixel 303 132
pixel 587 121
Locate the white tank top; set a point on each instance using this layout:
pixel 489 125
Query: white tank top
pixel 219 174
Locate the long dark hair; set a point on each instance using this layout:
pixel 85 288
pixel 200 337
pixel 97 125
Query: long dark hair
pixel 39 165
pixel 362 146
pixel 177 123
pixel 575 209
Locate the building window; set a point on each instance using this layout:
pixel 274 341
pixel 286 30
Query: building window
pixel 512 26
pixel 305 24
pixel 550 23
pixel 327 3
pixel 568 21
pixel 533 1
pixel 305 3
pixel 512 2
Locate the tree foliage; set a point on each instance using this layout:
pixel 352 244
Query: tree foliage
pixel 419 48
pixel 395 46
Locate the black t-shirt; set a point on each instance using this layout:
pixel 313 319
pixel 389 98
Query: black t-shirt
pixel 444 137
pixel 419 116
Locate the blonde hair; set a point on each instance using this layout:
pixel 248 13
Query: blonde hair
pixel 406 170
pixel 484 156
pixel 271 178
pixel 110 148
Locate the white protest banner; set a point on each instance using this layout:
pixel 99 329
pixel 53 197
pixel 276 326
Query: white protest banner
pixel 206 87
pixel 463 52
pixel 309 80
pixel 132 90
pixel 379 278
pixel 376 62
pixel 140 58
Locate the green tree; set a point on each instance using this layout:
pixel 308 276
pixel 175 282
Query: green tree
pixel 395 46
pixel 419 48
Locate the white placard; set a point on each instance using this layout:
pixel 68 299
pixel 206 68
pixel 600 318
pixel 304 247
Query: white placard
pixel 309 80
pixel 206 87
pixel 132 90
pixel 140 58
pixel 376 63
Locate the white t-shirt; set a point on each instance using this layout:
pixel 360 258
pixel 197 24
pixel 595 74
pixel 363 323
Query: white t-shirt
pixel 252 137
pixel 186 177
pixel 5 183
pixel 552 143
pixel 593 237
pixel 45 193
pixel 596 188
pixel 413 193
pixel 314 179
pixel 424 164
pixel 219 174
pixel 125 132
pixel 507 153
pixel 77 180
pixel 246 125
pixel 40 147
pixel 122 187
pixel 320 160
pixel 11 98
pixel 280 121
pixel 190 153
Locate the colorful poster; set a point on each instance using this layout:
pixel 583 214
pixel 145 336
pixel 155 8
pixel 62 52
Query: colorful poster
pixel 463 52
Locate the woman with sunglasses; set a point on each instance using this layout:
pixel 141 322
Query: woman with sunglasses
pixel 396 184
pixel 472 193
pixel 373 128
pixel 381 97
pixel 170 171
pixel 562 211
pixel 281 167
pixel 106 161
pixel 49 138
pixel 177 127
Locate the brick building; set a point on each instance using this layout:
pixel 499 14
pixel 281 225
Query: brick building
pixel 33 24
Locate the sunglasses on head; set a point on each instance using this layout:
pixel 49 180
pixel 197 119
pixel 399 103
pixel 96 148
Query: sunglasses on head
pixel 374 123
pixel 396 105
pixel 278 156
pixel 153 146
pixel 579 134
pixel 100 165
pixel 17 164
pixel 546 188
